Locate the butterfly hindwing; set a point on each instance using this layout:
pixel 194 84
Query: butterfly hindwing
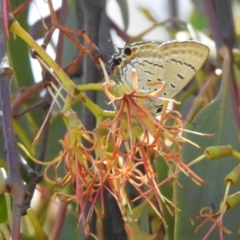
pixel 183 60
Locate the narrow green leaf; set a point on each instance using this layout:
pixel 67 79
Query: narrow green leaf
pixel 18 54
pixel 162 171
pixel 125 14
pixel 147 14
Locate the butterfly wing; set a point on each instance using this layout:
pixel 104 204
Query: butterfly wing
pixel 144 57
pixel 182 61
pixel 175 63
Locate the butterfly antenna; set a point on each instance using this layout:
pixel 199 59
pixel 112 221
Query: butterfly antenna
pixel 184 119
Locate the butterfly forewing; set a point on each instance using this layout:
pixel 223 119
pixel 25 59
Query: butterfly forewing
pixel 149 67
pixel 144 59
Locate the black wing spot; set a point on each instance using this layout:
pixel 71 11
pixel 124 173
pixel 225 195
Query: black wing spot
pixel 154 64
pixel 148 72
pixel 149 80
pixel 136 62
pixel 176 61
pixel 173 86
pixel 180 76
pixel 157 65
pixel 190 66
pixel 159 109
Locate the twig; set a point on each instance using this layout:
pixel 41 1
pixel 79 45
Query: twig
pixel 14 181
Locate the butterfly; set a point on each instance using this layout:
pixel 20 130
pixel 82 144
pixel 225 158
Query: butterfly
pixel 173 62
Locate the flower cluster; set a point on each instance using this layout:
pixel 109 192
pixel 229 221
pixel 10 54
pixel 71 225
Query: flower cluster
pixel 122 151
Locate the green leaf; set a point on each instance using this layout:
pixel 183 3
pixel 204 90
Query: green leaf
pixel 166 190
pixel 3 209
pixel 125 14
pixel 18 54
pixel 137 232
pixel 198 21
pixel 3 198
pixel 218 117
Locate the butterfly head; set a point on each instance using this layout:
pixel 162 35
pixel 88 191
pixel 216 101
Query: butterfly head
pixel 121 58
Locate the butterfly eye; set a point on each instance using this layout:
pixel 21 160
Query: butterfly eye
pixel 128 51
pixel 117 61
